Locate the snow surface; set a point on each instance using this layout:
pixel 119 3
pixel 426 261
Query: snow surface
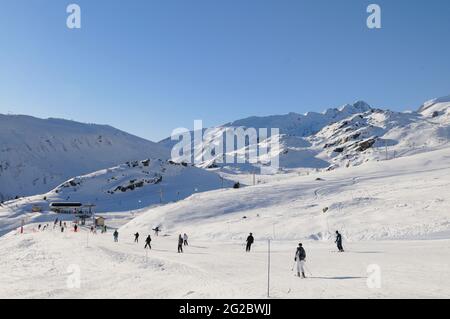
pixel 393 214
pixel 116 191
pixel 36 155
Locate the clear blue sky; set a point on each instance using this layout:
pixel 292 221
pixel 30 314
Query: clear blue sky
pixel 148 66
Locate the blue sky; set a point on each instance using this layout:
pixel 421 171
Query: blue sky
pixel 148 66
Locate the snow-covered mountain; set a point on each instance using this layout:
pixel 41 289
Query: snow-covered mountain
pixel 437 108
pixel 346 136
pixel 118 190
pixel 36 154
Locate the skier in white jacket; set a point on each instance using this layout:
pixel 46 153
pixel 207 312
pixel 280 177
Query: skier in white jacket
pixel 185 239
pixel 300 258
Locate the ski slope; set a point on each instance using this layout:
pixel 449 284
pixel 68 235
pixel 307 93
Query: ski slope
pixel 39 265
pixel 397 199
pixel 393 214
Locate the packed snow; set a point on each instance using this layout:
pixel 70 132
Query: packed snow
pixel 393 216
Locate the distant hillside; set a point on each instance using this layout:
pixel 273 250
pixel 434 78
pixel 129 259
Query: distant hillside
pixel 36 155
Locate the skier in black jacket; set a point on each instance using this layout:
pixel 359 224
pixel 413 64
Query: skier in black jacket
pixel 300 258
pixel 250 241
pixel 180 244
pixel 148 242
pixel 136 238
pixel 339 242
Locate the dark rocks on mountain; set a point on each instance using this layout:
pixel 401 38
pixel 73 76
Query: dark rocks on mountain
pixel 435 114
pixel 212 165
pixel 331 144
pixel 365 145
pixel 133 184
pixel 339 150
pixel 344 124
pixel 176 163
pixel 72 183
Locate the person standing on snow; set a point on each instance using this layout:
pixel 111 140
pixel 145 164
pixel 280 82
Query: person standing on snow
pixel 339 242
pixel 300 258
pixel 148 242
pixel 75 228
pixel 185 239
pixel 136 238
pixel 250 241
pixel 180 244
pixel 116 236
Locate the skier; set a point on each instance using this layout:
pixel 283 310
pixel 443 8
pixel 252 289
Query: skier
pixel 116 236
pixel 148 242
pixel 157 230
pixel 185 239
pixel 75 228
pixel 39 227
pixel 300 258
pixel 339 242
pixel 250 241
pixel 136 238
pixel 180 244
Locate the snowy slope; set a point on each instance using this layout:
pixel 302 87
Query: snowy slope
pixel 121 189
pixel 36 155
pixel 436 108
pixel 393 215
pixel 397 199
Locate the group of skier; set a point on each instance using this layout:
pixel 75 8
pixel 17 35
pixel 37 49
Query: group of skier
pixel 299 259
pixel 182 239
pixel 300 253
pixel 148 241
